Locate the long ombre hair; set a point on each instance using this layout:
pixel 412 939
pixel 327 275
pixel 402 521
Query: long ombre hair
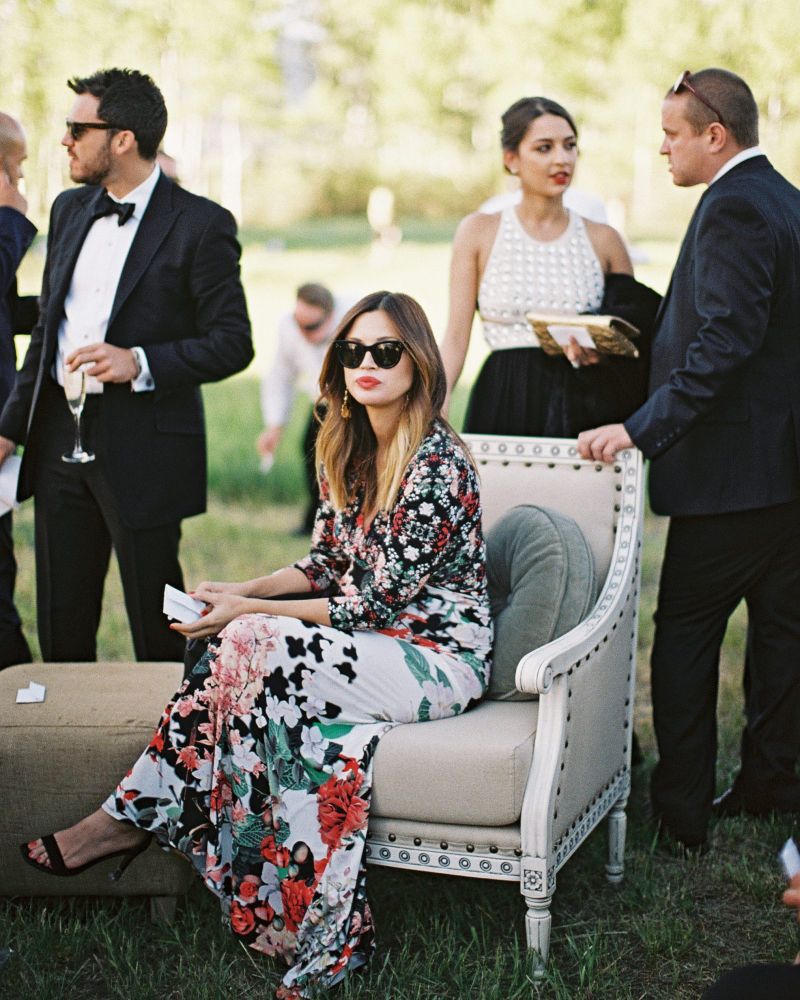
pixel 347 448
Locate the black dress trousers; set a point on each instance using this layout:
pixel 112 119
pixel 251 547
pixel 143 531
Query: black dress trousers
pixel 710 564
pixel 13 645
pixel 77 524
pixel 757 982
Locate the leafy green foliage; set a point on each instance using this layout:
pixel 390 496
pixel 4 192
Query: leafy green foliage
pixel 329 100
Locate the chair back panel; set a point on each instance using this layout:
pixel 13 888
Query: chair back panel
pixel 548 472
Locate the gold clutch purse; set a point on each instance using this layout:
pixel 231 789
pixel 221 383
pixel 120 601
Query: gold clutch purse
pixel 606 334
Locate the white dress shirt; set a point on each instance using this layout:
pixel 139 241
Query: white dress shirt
pixel 297 365
pixel 87 307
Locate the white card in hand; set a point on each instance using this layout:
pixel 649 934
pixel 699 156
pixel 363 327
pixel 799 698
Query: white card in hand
pixel 9 474
pixel 33 694
pixel 180 606
pixel 790 858
pixel 561 335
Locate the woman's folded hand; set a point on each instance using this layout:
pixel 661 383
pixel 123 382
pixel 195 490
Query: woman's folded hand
pixel 221 608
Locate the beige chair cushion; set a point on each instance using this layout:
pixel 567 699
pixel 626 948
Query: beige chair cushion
pixel 471 769
pixel 60 759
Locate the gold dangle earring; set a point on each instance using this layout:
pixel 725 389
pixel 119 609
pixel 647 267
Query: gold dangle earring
pixel 345 410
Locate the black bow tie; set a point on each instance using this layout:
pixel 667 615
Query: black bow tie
pixel 107 206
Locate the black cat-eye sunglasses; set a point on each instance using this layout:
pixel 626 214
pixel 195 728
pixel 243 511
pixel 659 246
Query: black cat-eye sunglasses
pixel 385 353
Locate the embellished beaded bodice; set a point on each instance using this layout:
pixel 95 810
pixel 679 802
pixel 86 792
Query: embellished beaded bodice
pixel 525 275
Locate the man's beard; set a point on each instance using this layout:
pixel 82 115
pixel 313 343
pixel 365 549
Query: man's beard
pixel 97 172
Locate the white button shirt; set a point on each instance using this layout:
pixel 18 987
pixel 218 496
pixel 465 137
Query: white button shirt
pixel 87 307
pixel 297 365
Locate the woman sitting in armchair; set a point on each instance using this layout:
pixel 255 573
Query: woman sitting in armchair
pixel 260 769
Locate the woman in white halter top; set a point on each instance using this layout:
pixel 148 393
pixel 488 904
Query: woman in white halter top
pixel 539 256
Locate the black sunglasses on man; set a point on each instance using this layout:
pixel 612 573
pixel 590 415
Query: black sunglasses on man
pixel 78 129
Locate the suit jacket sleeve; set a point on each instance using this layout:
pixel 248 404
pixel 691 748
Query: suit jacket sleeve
pixel 734 270
pixel 25 314
pixel 16 235
pixel 14 416
pixel 222 345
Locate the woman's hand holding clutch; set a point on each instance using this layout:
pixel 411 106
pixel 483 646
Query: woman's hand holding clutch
pixel 578 356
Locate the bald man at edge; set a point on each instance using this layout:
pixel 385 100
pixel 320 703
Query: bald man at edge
pixel 17 315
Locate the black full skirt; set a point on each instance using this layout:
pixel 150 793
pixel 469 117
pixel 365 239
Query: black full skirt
pixel 525 391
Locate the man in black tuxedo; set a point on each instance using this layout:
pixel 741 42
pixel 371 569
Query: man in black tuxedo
pixel 142 291
pixel 722 430
pixel 17 315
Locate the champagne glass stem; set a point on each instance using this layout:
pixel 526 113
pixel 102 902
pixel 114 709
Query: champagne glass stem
pixel 78 445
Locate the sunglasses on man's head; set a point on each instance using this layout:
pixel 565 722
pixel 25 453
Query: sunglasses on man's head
pixel 385 353
pixel 683 81
pixel 78 129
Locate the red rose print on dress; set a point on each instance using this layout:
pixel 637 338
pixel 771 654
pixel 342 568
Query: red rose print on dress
pixel 242 920
pixel 341 811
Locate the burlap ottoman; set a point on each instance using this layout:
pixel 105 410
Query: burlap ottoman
pixel 60 759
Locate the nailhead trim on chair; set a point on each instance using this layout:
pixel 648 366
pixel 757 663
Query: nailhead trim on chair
pixel 587 821
pixel 499 864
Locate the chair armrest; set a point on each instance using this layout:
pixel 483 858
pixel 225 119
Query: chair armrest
pixel 537 670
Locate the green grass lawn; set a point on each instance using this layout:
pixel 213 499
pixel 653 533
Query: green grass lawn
pixel 667 932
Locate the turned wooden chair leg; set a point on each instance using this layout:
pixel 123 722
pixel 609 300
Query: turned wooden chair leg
pixel 162 909
pixel 617 828
pixel 537 932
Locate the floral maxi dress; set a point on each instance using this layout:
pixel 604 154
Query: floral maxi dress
pixel 260 770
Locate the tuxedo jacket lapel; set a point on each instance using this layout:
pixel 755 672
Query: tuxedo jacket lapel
pixel 71 235
pixel 158 219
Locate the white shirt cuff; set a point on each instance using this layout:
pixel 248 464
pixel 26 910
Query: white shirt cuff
pixel 144 380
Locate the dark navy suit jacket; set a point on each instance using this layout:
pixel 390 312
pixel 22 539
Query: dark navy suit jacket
pixel 722 423
pixel 17 313
pixel 181 299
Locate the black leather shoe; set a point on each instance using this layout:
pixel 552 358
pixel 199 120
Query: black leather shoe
pixel 730 803
pixel 675 846
pixel 734 802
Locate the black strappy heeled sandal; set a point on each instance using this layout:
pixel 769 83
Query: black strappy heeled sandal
pixel 57 867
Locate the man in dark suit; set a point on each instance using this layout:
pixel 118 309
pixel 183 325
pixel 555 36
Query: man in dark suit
pixel 722 430
pixel 142 292
pixel 17 315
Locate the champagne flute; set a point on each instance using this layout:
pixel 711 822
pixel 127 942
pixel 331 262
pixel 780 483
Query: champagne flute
pixel 75 391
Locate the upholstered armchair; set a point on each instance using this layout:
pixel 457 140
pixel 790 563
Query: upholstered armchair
pixel 511 789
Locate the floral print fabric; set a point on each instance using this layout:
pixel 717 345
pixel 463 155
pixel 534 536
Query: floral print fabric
pixel 431 538
pixel 260 771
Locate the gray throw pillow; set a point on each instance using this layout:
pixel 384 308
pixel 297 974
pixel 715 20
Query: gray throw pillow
pixel 541 584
